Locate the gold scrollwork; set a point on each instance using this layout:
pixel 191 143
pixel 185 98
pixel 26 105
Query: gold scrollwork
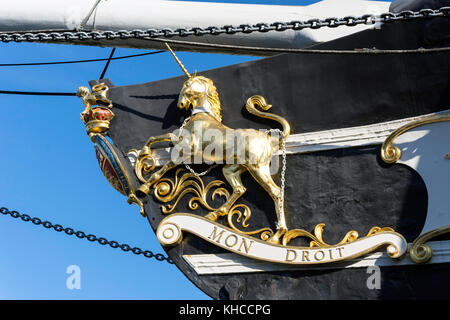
pixel 391 153
pixel 419 251
pixel 242 217
pixel 144 166
pixel 317 238
pixel 132 198
pixel 166 190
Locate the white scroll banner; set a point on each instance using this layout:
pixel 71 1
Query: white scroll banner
pixel 170 232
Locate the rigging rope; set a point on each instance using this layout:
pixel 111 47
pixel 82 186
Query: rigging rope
pixel 73 94
pixel 35 93
pixel 78 61
pixel 309 51
pixel 280 50
pixel 86 19
pixel 107 63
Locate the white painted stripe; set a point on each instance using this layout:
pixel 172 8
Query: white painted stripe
pixel 327 140
pixel 226 263
pixel 346 137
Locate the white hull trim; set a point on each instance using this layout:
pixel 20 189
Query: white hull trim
pixel 227 263
pixel 368 135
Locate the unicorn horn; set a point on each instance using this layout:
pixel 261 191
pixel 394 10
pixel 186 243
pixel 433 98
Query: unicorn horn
pixel 178 61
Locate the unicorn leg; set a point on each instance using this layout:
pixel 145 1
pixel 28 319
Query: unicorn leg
pixel 144 189
pixel 263 177
pixel 232 174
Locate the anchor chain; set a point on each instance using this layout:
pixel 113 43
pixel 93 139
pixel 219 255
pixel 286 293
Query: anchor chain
pixel 349 21
pixel 82 235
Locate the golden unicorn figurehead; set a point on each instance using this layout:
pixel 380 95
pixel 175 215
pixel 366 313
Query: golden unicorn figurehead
pixel 257 148
pixel 199 93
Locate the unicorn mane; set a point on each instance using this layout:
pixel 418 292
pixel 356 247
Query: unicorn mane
pixel 212 96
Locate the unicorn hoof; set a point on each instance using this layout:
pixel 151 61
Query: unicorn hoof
pixel 212 216
pixel 276 238
pixel 143 190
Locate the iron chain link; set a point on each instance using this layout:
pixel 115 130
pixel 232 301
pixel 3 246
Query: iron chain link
pixel 90 237
pixel 348 21
pixel 201 174
pixel 283 165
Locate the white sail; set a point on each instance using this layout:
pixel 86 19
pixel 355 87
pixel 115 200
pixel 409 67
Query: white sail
pixel 30 15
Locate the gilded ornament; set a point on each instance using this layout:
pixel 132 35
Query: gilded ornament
pixel 97 116
pixel 419 251
pixel 96 119
pixel 166 190
pixel 317 237
pixel 391 153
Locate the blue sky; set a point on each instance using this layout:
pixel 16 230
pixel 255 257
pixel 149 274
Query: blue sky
pixel 48 169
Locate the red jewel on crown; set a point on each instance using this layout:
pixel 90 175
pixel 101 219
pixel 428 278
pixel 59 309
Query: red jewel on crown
pixel 97 119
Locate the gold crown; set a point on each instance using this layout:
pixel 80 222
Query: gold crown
pixel 96 119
